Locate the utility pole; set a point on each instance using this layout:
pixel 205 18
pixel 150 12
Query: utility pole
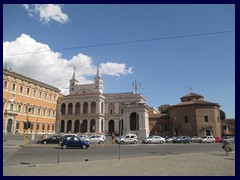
pixel 27 128
pixel 135 87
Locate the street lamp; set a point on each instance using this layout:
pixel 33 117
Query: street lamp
pixel 27 127
pixel 59 128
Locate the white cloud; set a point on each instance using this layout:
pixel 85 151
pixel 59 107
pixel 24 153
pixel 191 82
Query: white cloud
pixel 36 60
pixel 47 12
pixel 115 69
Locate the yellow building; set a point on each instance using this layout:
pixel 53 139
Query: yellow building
pixel 25 97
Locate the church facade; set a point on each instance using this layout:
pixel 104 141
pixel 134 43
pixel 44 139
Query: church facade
pixel 86 109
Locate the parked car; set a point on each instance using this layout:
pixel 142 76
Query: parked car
pixel 217 139
pixel 196 139
pixel 208 139
pixel 73 141
pixel 182 139
pixel 50 140
pixel 230 138
pixel 154 139
pixel 169 139
pixel 96 139
pixel 84 137
pixel 127 139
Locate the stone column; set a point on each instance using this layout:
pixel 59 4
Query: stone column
pixel 65 126
pixel 66 108
pixel 89 107
pixel 81 107
pixel 73 123
pixel 88 126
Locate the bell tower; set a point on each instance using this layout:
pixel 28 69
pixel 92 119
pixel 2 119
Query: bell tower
pixel 73 83
pixel 98 81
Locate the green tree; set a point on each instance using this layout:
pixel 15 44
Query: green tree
pixel 222 115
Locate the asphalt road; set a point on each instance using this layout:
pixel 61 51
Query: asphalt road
pixel 46 154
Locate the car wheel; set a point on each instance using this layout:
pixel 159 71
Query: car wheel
pixel 84 146
pixel 64 146
pixel 161 142
pixel 149 142
pixel 100 142
pixel 122 142
pixel 44 142
pixel 134 142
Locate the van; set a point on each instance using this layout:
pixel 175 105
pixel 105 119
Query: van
pixel 127 139
pixel 208 139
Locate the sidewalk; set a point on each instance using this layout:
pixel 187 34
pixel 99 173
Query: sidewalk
pixel 193 164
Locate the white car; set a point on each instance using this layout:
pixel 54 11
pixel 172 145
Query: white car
pixel 154 139
pixel 96 139
pixel 84 137
pixel 208 139
pixel 127 139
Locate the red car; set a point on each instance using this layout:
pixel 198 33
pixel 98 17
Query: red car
pixel 217 139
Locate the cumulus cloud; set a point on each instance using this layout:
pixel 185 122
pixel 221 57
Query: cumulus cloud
pixel 47 12
pixel 115 69
pixel 36 60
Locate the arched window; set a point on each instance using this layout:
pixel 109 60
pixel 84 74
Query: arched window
pixel 63 108
pixel 84 126
pixel 69 126
pixel 77 126
pixel 77 108
pixel 111 126
pixel 70 108
pixel 134 121
pixel 92 125
pixel 93 107
pixel 62 126
pixel 85 108
pixel 102 107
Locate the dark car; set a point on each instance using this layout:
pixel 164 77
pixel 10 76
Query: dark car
pixel 230 138
pixel 182 139
pixel 74 142
pixel 50 140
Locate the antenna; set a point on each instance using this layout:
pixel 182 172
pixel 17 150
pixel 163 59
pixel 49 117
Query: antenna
pixel 135 86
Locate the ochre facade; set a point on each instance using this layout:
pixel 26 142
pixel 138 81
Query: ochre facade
pixel 25 98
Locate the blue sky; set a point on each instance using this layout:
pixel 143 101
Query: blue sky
pixel 197 49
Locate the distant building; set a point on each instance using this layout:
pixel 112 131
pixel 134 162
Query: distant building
pixel 195 117
pixel 192 116
pixel 21 93
pixel 228 126
pixel 86 109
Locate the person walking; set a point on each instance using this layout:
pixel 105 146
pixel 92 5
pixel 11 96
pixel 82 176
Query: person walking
pixel 226 146
pixel 113 138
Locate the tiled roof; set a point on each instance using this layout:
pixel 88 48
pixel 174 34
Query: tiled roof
pixel 189 103
pixel 192 95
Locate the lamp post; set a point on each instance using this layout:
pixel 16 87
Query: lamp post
pixel 28 126
pixel 120 134
pixel 59 127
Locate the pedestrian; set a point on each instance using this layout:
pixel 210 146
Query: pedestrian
pixel 113 138
pixel 226 146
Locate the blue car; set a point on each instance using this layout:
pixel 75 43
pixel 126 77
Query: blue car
pixel 182 139
pixel 74 142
